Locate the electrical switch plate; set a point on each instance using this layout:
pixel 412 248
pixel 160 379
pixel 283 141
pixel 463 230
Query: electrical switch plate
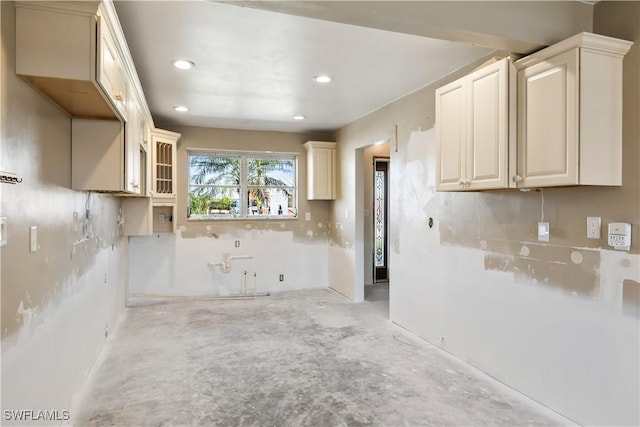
pixel 33 239
pixel 619 235
pixel 543 231
pixel 593 227
pixel 3 232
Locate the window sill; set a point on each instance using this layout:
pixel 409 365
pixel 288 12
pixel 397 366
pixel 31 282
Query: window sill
pixel 212 218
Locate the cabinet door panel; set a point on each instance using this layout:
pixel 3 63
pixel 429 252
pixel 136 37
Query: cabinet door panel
pixel 322 186
pixel 487 138
pixel 548 122
pixel 450 132
pixel 111 74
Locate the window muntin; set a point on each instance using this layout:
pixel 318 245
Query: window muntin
pixel 216 181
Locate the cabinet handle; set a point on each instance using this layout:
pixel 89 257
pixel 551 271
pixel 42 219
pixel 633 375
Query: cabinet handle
pixel 517 178
pixel 461 182
pixel 118 97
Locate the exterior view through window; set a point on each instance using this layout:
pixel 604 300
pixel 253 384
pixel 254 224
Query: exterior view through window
pixel 242 185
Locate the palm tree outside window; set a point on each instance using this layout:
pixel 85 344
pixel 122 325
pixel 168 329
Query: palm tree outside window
pixel 246 185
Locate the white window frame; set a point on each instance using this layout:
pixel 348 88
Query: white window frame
pixel 244 214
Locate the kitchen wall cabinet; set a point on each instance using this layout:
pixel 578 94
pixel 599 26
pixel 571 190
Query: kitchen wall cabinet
pixel 143 217
pixel 564 128
pixel 321 170
pixel 155 214
pixel 75 54
pixel 70 52
pixel 164 169
pixel 98 155
pixel 570 113
pixel 472 128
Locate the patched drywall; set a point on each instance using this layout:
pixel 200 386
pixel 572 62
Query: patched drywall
pixel 212 265
pixel 556 321
pixel 166 264
pixel 57 301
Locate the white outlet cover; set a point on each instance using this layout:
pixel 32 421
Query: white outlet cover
pixel 33 239
pixel 543 232
pixel 3 232
pixel 594 224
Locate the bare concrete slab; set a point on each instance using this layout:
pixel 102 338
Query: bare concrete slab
pixel 304 358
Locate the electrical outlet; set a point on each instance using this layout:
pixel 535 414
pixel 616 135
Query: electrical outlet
pixel 33 239
pixel 281 278
pixel 3 232
pixel 593 227
pixel 543 232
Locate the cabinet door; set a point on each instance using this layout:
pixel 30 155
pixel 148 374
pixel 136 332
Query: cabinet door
pixel 132 149
pixel 97 155
pixel 164 171
pixel 321 162
pixel 451 128
pixel 111 75
pixel 548 122
pixel 487 127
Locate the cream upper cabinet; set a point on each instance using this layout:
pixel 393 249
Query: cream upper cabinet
pixel 70 53
pixel 98 155
pixel 570 113
pixel 164 168
pixel 133 156
pixel 111 73
pixel 473 131
pixel 321 166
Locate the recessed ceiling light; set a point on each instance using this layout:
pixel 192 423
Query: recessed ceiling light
pixel 181 108
pixel 183 64
pixel 299 117
pixel 322 78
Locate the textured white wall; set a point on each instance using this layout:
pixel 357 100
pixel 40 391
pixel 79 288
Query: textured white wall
pixel 167 264
pixel 56 301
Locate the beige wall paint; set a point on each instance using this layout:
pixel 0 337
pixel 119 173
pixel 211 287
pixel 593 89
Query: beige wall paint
pixel 57 301
pixel 528 314
pixel 296 248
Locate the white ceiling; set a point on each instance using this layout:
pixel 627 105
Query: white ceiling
pixel 254 68
pixel 255 59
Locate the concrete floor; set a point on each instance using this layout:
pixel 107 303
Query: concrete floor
pixel 306 358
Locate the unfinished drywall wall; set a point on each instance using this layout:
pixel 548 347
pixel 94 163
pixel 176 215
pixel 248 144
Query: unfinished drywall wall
pixel 58 300
pixel 295 248
pixel 554 321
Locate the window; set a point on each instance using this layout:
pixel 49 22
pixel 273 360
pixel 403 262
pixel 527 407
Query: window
pixel 242 185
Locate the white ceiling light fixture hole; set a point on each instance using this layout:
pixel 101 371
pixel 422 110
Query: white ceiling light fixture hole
pixel 322 78
pixel 299 117
pixel 183 64
pixel 181 108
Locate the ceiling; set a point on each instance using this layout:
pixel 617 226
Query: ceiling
pixel 255 61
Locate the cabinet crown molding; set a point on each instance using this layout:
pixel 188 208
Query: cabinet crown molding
pixel 584 40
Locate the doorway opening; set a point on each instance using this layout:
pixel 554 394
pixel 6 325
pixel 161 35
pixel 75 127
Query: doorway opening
pixel 373 177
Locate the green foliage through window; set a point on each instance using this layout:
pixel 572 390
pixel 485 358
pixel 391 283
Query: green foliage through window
pixel 217 182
